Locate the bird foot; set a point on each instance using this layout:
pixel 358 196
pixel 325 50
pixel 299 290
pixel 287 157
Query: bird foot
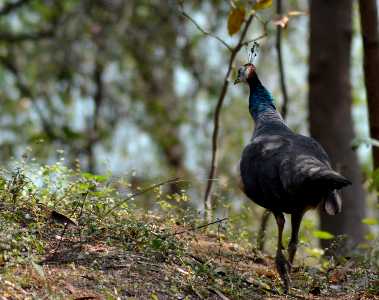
pixel 283 267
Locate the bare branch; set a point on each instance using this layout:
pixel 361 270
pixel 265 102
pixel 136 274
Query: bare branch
pixel 246 43
pixel 10 7
pixel 25 91
pixel 267 213
pixel 184 14
pixel 216 120
pixel 218 221
pixel 21 37
pixel 175 180
pixel 93 127
pixel 283 85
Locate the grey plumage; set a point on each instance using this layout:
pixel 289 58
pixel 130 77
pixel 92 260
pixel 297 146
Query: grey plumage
pixel 283 171
pixel 287 172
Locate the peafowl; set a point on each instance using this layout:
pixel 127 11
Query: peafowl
pixel 283 171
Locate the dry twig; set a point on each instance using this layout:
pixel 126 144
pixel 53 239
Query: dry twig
pixel 218 221
pixel 175 180
pixel 202 30
pixel 284 109
pixel 216 118
pixel 283 85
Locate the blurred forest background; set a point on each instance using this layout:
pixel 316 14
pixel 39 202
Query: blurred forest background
pixel 130 88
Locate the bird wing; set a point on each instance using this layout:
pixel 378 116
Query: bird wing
pixel 259 166
pixel 306 168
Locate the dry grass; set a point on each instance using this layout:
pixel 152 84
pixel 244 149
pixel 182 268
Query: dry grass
pixel 206 267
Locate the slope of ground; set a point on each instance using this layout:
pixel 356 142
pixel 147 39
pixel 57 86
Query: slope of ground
pixel 155 265
pixel 80 240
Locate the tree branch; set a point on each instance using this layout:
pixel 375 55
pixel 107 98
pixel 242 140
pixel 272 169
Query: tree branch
pixel 217 221
pixel 93 129
pixel 216 120
pixel 21 37
pixel 26 92
pixel 283 85
pixel 117 205
pixel 184 14
pixel 278 45
pixel 263 35
pixel 10 7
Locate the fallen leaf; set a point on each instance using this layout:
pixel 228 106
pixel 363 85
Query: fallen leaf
pixel 339 274
pixel 182 271
pixel 220 271
pixel 218 293
pixel 61 218
pixel 38 269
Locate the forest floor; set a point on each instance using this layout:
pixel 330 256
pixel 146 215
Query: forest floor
pixel 188 265
pixel 83 240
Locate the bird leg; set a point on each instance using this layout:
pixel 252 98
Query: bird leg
pixel 281 262
pixel 292 246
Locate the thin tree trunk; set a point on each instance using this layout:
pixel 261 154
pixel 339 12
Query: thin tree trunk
pixel 369 27
pixel 261 238
pixel 330 103
pixel 282 74
pixel 208 205
pixel 93 134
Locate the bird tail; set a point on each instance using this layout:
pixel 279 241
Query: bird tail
pixel 332 204
pixel 332 180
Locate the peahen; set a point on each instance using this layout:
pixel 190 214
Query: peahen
pixel 283 171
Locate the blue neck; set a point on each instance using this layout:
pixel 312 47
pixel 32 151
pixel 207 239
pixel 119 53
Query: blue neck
pixel 260 99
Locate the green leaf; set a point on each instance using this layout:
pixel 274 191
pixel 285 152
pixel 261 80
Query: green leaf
pixel 154 296
pixel 323 235
pixel 98 178
pixel 156 243
pixel 370 221
pixel 370 236
pixel 262 4
pixel 315 252
pixel 236 19
pixel 83 187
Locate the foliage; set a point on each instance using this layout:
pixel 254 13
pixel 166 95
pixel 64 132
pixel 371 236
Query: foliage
pixel 236 19
pixel 99 80
pixel 262 4
pixel 57 223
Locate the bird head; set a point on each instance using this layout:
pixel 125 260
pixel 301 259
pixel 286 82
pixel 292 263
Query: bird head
pixel 245 73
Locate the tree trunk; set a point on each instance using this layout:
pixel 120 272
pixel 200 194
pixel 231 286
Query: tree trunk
pixel 369 27
pixel 330 104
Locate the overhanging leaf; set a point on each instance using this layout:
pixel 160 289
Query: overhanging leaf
pixel 370 221
pixel 282 21
pixel 295 13
pixel 315 252
pixel 262 4
pixel 323 235
pixel 235 19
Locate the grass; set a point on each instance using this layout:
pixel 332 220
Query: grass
pixel 65 234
